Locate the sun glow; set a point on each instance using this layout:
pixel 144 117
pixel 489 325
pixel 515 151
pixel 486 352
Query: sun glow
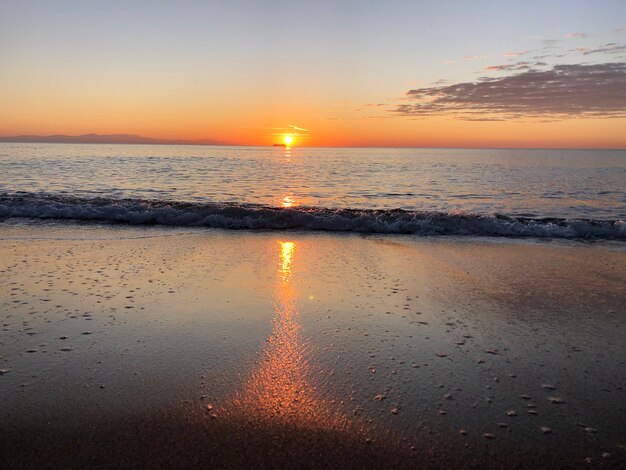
pixel 288 140
pixel 288 201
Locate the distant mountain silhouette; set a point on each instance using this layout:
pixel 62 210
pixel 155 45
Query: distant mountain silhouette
pixel 104 139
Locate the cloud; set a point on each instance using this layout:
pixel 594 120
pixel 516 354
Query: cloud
pixel 514 54
pixel 296 128
pixel 565 91
pixel 576 35
pixel 509 67
pixel 299 131
pixel 608 48
pixel 550 43
pixel 474 57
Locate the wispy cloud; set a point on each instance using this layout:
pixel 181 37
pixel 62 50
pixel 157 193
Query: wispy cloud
pixel 508 67
pixel 549 43
pixel 296 128
pixel 576 35
pixel 565 91
pixel 474 57
pixel 290 129
pixel 514 54
pixel 608 48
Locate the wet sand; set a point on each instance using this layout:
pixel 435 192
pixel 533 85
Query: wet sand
pixel 178 348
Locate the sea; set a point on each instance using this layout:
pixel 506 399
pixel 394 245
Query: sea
pixel 574 194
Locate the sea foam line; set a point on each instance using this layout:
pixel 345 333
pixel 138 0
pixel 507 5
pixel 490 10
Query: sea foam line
pixel 239 216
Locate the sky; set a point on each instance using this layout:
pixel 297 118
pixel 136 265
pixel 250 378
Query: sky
pixel 548 74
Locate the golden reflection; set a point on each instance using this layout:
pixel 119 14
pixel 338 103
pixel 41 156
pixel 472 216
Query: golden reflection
pixel 280 391
pixel 286 255
pixel 288 201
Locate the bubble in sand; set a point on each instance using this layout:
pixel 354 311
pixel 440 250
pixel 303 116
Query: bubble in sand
pixel 545 429
pixel 394 410
pixel 4 371
pixel 548 386
pixel 488 435
pixel 511 413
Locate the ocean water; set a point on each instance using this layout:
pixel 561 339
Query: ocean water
pixel 495 192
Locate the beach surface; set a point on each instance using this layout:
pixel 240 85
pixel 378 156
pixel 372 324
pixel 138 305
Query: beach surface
pixel 165 347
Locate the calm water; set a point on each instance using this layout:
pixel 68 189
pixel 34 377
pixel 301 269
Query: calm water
pixel 61 181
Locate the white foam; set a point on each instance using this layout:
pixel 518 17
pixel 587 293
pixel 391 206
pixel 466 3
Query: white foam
pixel 232 216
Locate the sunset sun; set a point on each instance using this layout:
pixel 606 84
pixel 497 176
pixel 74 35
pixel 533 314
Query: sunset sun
pixel 288 140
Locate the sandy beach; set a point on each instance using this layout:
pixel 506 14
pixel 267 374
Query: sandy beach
pixel 169 347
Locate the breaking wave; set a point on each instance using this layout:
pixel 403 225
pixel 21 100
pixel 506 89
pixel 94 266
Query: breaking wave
pixel 252 217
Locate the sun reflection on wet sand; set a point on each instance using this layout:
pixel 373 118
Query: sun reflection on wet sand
pixel 287 250
pixel 280 391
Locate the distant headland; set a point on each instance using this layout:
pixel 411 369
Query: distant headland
pixel 104 139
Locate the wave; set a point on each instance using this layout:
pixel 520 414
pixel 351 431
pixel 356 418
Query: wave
pixel 251 217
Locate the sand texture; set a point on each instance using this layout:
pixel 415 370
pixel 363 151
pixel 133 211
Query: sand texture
pixel 124 347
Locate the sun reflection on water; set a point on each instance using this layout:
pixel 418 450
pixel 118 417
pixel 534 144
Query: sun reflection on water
pixel 287 202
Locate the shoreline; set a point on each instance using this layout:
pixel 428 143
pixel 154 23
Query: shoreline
pixel 387 346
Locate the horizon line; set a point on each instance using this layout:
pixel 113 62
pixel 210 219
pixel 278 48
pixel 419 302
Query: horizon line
pixel 199 142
